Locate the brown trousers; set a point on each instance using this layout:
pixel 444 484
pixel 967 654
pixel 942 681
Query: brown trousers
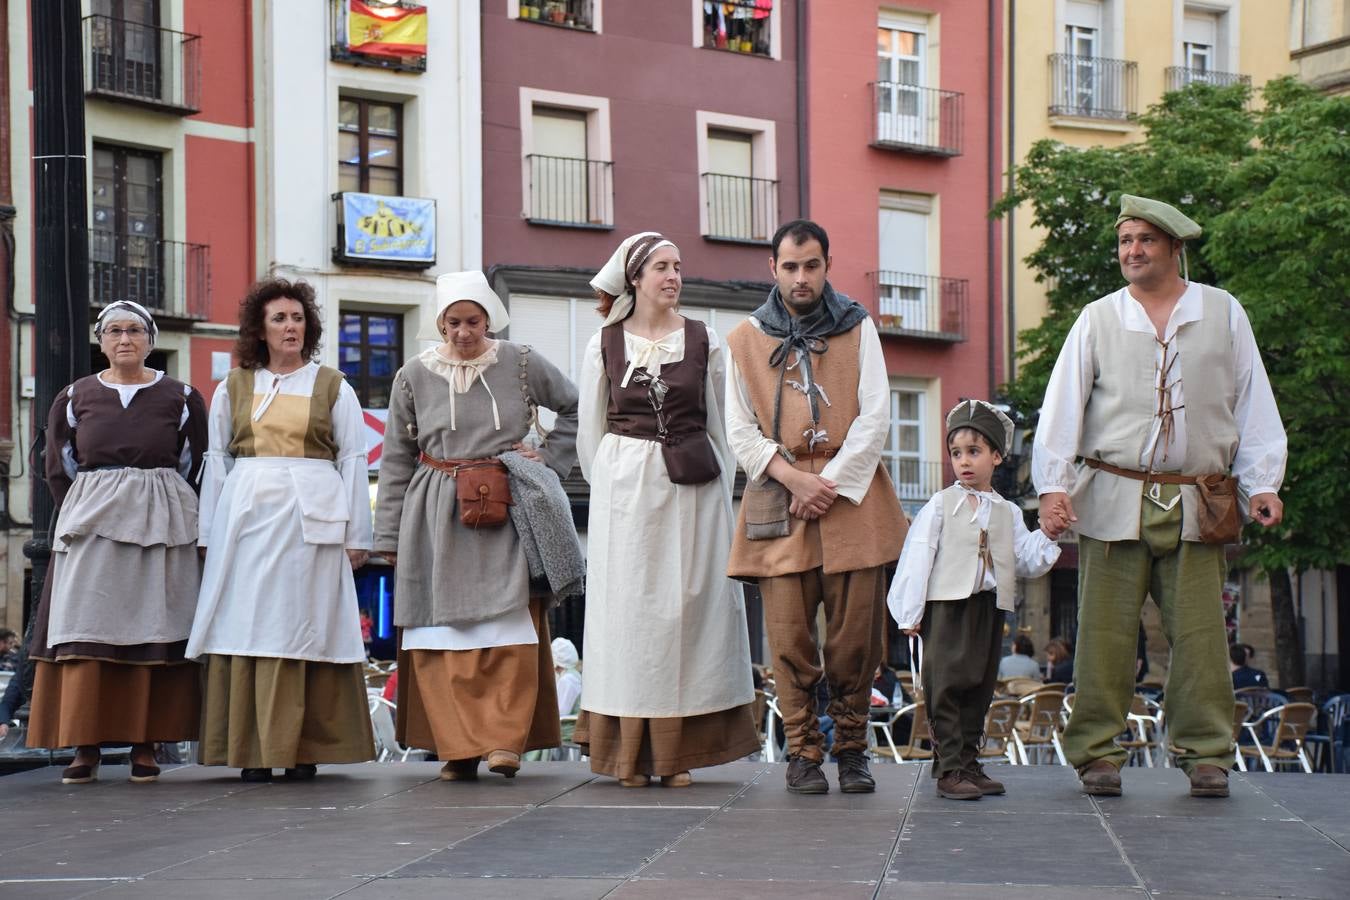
pixel 854 627
pixel 961 642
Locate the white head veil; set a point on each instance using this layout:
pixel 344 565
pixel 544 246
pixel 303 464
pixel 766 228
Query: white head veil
pixel 453 287
pixel 123 311
pixel 614 277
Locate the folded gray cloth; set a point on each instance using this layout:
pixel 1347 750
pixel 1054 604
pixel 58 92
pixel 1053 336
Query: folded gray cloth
pixel 542 515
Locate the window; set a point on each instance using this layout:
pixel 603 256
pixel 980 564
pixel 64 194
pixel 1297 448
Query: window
pixel 743 26
pixel 370 153
pixel 124 39
pixel 904 291
pixel 1200 35
pixel 580 14
pixel 902 453
pixel 1084 79
pixel 738 186
pixel 125 247
pixel 370 351
pixel 568 178
pixel 901 116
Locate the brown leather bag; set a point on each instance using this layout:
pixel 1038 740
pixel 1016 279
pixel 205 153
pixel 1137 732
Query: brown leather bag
pixel 482 488
pixel 1217 513
pixel 691 459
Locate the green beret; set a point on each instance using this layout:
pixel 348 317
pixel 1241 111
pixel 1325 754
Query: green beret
pixel 984 418
pixel 1164 215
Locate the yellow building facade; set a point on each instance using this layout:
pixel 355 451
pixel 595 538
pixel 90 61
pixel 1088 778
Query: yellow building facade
pixel 1080 71
pixel 1319 43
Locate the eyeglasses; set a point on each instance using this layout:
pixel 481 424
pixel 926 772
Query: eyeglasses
pixel 134 332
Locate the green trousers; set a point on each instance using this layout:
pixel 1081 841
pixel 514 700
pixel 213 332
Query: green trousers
pixel 1185 579
pixel 962 639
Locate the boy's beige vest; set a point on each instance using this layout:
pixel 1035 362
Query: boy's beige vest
pixel 1120 411
pixel 848 537
pixel 958 555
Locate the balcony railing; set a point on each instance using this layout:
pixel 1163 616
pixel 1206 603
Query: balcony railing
pixel 576 14
pixel 917 119
pixel 567 191
pixel 142 64
pixel 915 480
pixel 1179 77
pixel 170 278
pixel 1092 87
pixel 740 208
pixel 922 306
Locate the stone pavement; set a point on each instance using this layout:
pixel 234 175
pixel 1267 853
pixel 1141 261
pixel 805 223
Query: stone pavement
pixel 393 830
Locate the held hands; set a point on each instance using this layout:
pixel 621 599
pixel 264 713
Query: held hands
pixel 357 558
pixel 1056 514
pixel 910 632
pixel 812 495
pixel 1267 509
pixel 391 557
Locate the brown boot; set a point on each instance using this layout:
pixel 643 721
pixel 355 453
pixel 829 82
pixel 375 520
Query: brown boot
pixel 804 777
pixel 1209 781
pixel 504 762
pixel 1100 778
pixel 975 775
pixel 460 770
pixel 956 785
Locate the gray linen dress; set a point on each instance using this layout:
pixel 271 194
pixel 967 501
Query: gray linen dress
pixel 448 573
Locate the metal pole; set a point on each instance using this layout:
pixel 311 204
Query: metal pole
pixel 61 246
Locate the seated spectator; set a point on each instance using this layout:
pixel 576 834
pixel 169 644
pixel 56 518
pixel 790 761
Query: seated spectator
pixel 565 668
pixel 883 687
pixel 13 699
pixel 1059 661
pixel 1244 676
pixel 9 650
pixel 390 691
pixel 1019 663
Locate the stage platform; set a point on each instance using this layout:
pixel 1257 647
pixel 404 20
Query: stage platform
pixel 392 830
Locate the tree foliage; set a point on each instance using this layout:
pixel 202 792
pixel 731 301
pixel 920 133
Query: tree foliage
pixel 1271 188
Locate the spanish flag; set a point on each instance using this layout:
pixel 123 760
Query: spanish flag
pixel 399 31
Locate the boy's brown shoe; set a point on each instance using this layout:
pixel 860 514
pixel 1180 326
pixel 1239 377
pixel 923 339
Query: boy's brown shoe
pixel 975 775
pixel 1209 781
pixel 1100 778
pixel 804 777
pixel 854 776
pixel 956 785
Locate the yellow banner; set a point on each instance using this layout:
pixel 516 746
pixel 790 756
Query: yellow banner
pixel 390 31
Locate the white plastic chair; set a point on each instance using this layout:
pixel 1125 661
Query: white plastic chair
pixel 382 721
pixel 772 715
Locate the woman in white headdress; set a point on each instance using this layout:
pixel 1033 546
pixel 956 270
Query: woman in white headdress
pixel 475 671
pixel 668 684
pixel 124 451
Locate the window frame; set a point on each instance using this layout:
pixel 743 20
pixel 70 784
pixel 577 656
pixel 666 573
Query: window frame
pixel 120 265
pixel 515 8
pixel 763 135
pixel 361 382
pixel 363 166
pixel 775 19
pixel 598 151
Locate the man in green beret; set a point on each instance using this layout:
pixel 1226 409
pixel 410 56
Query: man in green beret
pixel 1158 396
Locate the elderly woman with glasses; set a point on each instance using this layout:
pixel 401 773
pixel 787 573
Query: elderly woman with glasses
pixel 285 520
pixel 124 451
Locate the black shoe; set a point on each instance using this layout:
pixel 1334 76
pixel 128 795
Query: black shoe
pixel 302 772
pixel 804 777
pixel 255 774
pixel 144 774
pixel 854 777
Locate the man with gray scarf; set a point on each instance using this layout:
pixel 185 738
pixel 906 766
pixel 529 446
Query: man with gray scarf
pixel 807 415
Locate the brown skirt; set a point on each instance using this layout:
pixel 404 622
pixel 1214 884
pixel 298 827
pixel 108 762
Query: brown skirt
pixel 467 703
pixel 268 713
pixel 92 701
pixel 623 746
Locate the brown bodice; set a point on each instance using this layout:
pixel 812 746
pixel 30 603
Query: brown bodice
pixel 678 389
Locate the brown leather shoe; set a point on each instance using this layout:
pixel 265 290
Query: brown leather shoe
pixel 678 780
pixel 956 785
pixel 460 770
pixel 1209 781
pixel 976 776
pixel 854 776
pixel 1100 778
pixel 804 777
pixel 504 763
pixel 635 781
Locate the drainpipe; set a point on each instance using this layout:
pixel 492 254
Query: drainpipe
pixel 991 188
pixel 1011 250
pixel 803 176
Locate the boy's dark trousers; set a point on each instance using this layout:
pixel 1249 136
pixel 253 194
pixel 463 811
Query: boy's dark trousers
pixel 961 643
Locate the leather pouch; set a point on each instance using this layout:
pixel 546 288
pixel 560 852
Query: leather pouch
pixel 483 490
pixel 1218 515
pixel 766 510
pixel 690 460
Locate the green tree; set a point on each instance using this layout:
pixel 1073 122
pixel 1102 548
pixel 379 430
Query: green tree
pixel 1271 186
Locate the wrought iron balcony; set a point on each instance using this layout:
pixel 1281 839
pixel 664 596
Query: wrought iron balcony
pixel 921 306
pixel 142 64
pixel 575 14
pixel 915 480
pixel 917 119
pixel 172 279
pixel 1092 87
pixel 739 208
pixel 567 191
pixel 1179 77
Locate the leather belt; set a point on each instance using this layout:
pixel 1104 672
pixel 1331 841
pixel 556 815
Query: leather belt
pixel 1146 477
pixel 451 467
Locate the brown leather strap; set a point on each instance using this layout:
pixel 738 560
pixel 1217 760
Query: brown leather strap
pixel 1147 477
pixel 451 467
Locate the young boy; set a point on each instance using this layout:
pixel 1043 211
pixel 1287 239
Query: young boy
pixel 956 579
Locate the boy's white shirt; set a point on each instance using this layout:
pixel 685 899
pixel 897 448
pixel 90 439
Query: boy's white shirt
pixel 1034 551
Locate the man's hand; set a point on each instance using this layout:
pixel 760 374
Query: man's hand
pixel 1056 513
pixel 390 557
pixel 911 632
pixel 357 558
pixel 1267 509
pixel 812 495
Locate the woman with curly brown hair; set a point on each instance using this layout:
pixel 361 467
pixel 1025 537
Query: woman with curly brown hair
pixel 285 517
